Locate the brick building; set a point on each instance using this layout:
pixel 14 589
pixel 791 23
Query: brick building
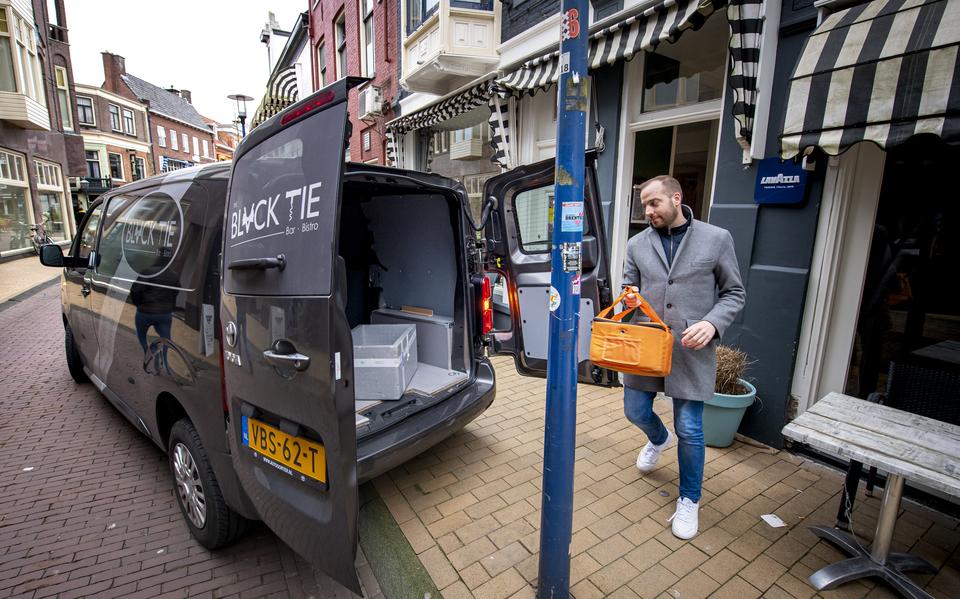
pixel 180 137
pixel 360 38
pixel 116 142
pixel 40 147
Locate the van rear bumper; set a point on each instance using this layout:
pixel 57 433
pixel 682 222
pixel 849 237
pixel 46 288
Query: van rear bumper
pixel 399 443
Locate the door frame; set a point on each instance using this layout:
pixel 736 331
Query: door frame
pixel 848 212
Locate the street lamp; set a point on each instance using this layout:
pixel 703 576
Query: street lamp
pixel 241 101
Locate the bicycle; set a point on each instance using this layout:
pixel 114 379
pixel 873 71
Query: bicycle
pixel 39 237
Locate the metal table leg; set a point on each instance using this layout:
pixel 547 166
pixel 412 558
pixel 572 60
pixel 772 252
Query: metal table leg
pixel 878 561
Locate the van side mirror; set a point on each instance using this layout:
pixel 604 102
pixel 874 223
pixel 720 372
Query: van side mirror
pixel 51 255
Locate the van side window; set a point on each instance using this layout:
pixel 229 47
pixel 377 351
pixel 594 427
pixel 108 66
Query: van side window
pixel 147 235
pixel 534 213
pixel 88 239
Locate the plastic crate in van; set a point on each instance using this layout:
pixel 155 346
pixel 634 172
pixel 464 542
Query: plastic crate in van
pixel 384 360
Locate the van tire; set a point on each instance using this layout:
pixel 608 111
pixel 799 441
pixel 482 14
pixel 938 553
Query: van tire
pixel 74 363
pixel 222 525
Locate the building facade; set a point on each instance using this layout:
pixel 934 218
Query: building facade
pixel 179 135
pixel 116 143
pixel 359 38
pixel 40 146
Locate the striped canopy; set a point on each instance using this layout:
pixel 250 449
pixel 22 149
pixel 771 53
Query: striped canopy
pixel 281 92
pixel 883 71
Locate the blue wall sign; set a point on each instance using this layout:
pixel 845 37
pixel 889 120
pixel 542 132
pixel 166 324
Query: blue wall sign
pixel 780 182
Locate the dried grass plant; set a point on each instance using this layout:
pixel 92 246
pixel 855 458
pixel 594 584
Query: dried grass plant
pixel 731 365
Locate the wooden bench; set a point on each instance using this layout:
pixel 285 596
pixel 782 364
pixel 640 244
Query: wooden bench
pixel 903 445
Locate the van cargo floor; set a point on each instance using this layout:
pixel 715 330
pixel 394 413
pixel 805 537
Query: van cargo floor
pixel 430 380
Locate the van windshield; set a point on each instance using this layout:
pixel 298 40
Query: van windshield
pixel 283 200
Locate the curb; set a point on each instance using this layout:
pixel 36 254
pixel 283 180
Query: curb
pixel 395 565
pixel 25 295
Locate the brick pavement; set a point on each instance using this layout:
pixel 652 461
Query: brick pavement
pixel 86 501
pixel 20 274
pixel 471 510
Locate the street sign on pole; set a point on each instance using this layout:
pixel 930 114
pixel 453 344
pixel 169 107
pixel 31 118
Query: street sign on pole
pixel 568 213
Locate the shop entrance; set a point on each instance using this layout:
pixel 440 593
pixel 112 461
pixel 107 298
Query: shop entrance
pixel 907 342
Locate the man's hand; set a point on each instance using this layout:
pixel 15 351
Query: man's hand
pixel 632 300
pixel 698 335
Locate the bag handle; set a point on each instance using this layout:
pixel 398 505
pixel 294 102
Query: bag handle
pixel 644 307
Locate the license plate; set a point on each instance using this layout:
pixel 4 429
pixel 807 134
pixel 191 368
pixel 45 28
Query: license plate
pixel 285 452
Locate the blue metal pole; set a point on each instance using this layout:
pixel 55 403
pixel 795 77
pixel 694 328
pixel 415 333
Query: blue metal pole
pixel 568 214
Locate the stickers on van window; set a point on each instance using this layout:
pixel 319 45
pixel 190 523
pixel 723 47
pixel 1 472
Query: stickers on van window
pixel 151 234
pixel 285 213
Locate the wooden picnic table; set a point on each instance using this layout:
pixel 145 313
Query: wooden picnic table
pixel 903 445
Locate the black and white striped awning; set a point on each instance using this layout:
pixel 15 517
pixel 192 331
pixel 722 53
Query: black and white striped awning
pixel 662 22
pixel 281 92
pixel 882 71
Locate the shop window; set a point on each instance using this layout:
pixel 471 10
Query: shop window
pixel 50 191
pixel 115 117
pixel 85 113
pixel 63 97
pixel 689 71
pixel 15 211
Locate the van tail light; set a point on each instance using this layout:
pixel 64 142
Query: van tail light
pixel 223 378
pixel 486 305
pixel 313 104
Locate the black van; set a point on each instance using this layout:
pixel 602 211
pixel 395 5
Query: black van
pixel 213 306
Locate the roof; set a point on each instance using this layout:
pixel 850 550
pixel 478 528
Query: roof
pixel 164 102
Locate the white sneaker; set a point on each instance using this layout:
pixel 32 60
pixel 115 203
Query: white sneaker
pixel 651 453
pixel 686 520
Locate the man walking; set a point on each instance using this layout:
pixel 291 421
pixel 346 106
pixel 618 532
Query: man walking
pixel 688 272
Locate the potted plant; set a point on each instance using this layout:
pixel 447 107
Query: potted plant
pixel 732 396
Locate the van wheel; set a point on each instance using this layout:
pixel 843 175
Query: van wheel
pixel 74 364
pixel 210 519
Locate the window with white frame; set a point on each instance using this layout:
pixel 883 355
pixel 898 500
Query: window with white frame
pixel 366 140
pixel 196 146
pixel 63 97
pixel 137 168
pixel 441 142
pixel 186 143
pixel 206 148
pixel 93 164
pixel 114 111
pixel 15 209
pixel 50 192
pixel 161 136
pixel 368 39
pixel 85 115
pixel 173 140
pixel 116 165
pixel 475 132
pixel 19 61
pixel 129 125
pixel 8 78
pixel 340 34
pixel 322 63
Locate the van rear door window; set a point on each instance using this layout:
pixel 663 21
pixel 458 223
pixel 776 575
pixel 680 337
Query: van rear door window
pixel 283 201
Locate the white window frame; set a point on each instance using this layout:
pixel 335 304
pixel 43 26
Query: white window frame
pixel 134 159
pixel 340 43
pixel 50 180
pixel 365 140
pixel 322 63
pixel 206 148
pixel 26 61
pixel 20 161
pixel 66 108
pixel 161 136
pixel 185 145
pixel 133 121
pixel 174 145
pixel 10 36
pixel 196 147
pixel 119 126
pixel 110 166
pixel 93 111
pixel 368 69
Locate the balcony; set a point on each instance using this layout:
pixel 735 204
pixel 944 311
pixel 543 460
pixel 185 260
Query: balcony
pixel 96 185
pixel 448 43
pixel 23 111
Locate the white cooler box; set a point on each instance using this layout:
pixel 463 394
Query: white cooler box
pixel 384 360
pixel 434 334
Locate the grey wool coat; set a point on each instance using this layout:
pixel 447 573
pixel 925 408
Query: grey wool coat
pixel 702 284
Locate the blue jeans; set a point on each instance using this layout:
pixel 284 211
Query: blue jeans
pixel 688 424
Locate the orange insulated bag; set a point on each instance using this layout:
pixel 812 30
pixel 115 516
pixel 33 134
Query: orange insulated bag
pixel 644 348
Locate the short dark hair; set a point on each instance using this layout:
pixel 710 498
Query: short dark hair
pixel 668 183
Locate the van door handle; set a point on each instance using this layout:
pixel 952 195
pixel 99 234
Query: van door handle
pixel 280 262
pixel 84 290
pixel 295 360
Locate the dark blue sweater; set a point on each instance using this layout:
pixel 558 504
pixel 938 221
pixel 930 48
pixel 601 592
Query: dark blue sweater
pixel 671 238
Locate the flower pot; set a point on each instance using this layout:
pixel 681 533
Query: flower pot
pixel 722 415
